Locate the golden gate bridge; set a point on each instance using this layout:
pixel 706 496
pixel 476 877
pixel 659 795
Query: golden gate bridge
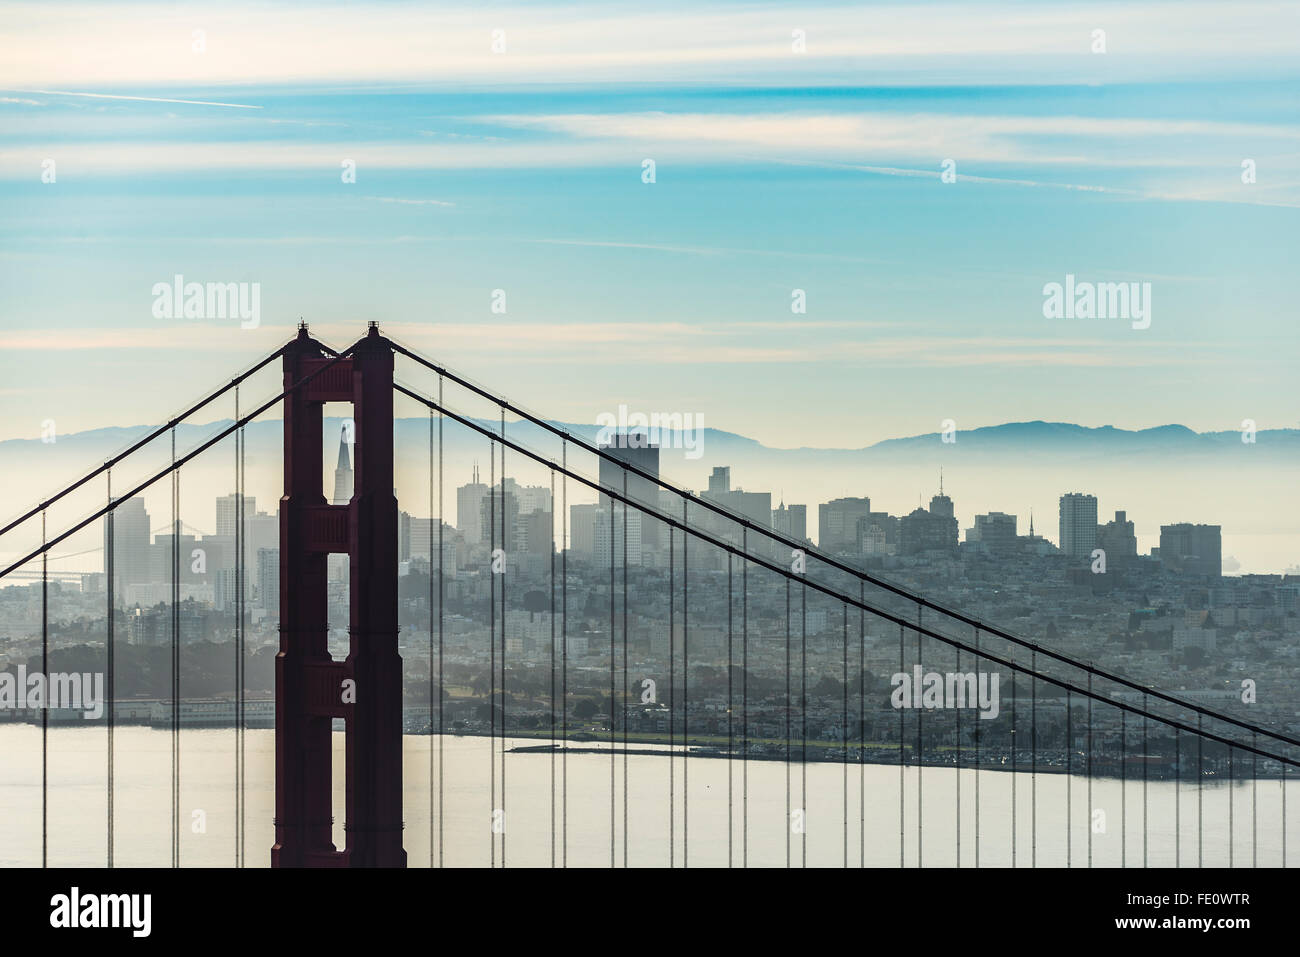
pixel 725 574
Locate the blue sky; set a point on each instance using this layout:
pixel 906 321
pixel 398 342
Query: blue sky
pixel 775 170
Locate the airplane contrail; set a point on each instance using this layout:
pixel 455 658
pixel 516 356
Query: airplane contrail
pixel 146 99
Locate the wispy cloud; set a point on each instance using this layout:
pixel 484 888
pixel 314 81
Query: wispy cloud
pixel 780 342
pixel 150 44
pixel 1145 158
pixel 401 201
pixel 971 138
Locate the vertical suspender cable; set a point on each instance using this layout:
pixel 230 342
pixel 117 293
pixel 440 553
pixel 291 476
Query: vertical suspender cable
pixel 731 740
pixel 492 648
pixel 564 650
pixel 175 660
pixel 902 774
pixel 788 817
pixel 1123 788
pixel 239 642
pixel 552 686
pixel 442 590
pixel 1013 768
pixel 45 711
pixel 243 665
pixel 1178 786
pixel 803 722
pixel 844 730
pixel 1090 767
pixel 1033 759
pixel 862 727
pixel 507 534
pixel 1232 836
pixel 686 690
pixel 611 713
pixel 433 570
pixel 613 661
pixel 109 645
pixel 1090 807
pixel 920 742
pixel 672 700
pixel 1200 778
pixel 744 696
pixel 239 524
pixel 977 756
pixel 1069 777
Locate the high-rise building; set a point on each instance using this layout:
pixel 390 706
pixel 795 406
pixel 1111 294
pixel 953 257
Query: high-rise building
pixel 1192 549
pixel 131 552
pixel 994 532
pixel 164 563
pixel 343 473
pixel 877 533
pixel 469 500
pixel 720 480
pixel 498 512
pixel 582 528
pixel 228 512
pixel 791 520
pixel 403 536
pixel 420 539
pixel 837 522
pixel 929 530
pixel 225 589
pixel 1078 524
pixel 532 532
pixel 625 531
pixel 1117 538
pixel 941 504
pixel 532 498
pixel 268 579
pixel 644 456
pixel 755 506
pixel 261 529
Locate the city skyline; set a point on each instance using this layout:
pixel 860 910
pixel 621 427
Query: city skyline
pixel 845 526
pixel 895 473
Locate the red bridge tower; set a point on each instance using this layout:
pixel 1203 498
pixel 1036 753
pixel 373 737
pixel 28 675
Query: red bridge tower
pixel 311 689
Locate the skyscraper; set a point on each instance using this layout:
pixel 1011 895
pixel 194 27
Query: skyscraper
pixel 268 579
pixel 261 530
pixel 469 500
pixel 1117 538
pixel 131 540
pixel 1192 549
pixel 343 473
pixel 720 480
pixel 929 530
pixel 791 520
pixel 837 522
pixel 994 532
pixel 1078 524
pixel 228 512
pixel 644 456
